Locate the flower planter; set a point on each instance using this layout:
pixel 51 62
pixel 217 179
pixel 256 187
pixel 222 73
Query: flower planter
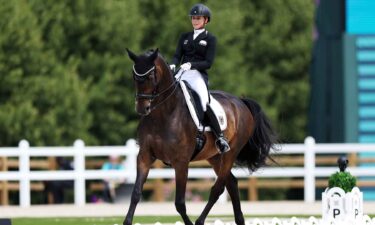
pixel 340 206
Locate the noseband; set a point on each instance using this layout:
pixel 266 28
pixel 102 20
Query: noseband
pixel 151 97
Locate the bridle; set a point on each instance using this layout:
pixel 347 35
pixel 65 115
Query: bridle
pixel 151 97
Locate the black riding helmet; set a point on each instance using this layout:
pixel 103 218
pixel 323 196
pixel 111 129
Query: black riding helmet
pixel 200 10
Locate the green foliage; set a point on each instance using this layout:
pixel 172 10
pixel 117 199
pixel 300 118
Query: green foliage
pixel 276 56
pixel 343 180
pixel 64 73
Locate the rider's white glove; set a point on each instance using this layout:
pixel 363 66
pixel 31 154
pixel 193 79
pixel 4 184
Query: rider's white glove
pixel 173 67
pixel 186 66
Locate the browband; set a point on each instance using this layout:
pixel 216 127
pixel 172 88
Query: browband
pixel 144 74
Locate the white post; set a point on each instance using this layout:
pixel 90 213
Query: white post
pixel 79 169
pixel 131 159
pixel 24 169
pixel 309 180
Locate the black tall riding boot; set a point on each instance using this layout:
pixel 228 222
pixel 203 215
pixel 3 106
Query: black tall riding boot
pixel 221 143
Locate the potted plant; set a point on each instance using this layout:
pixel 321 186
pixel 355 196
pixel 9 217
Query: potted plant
pixel 342 200
pixel 342 179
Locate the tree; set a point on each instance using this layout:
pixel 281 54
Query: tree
pixel 41 100
pixel 94 34
pixel 65 75
pixel 276 54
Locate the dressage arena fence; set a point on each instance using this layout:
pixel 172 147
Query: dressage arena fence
pixel 305 159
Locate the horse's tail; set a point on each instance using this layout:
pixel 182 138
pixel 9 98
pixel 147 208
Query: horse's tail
pixel 254 154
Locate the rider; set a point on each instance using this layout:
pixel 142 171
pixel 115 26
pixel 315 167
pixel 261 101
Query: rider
pixel 196 52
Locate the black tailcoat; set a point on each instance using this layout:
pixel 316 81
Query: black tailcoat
pixel 199 52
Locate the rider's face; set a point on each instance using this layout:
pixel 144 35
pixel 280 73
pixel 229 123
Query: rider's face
pixel 198 22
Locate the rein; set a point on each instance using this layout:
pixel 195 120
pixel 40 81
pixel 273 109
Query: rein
pixel 175 85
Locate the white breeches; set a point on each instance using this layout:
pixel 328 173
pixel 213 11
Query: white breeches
pixel 196 81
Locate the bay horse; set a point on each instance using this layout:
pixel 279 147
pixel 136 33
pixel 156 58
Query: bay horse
pixel 167 132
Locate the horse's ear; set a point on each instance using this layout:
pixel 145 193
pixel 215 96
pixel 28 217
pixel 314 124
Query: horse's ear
pixel 154 55
pixel 131 55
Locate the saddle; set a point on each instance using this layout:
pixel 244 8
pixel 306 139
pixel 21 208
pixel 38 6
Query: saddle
pixel 196 110
pixel 197 114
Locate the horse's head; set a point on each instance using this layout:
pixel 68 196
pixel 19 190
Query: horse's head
pixel 148 72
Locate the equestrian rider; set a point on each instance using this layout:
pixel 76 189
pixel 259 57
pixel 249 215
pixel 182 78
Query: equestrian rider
pixel 196 52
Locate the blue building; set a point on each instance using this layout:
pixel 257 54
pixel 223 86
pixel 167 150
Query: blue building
pixel 342 105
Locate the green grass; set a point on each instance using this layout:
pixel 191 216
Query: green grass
pixel 119 220
pixel 93 220
pixel 137 219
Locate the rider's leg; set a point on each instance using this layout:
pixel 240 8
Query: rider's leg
pixel 221 143
pixel 196 81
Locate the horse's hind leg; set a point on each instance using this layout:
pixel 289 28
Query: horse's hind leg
pixel 144 162
pixel 216 190
pixel 181 179
pixel 232 186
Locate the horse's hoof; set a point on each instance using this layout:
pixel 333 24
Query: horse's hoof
pixel 198 222
pixel 126 222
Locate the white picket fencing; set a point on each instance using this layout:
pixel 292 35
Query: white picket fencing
pixel 79 152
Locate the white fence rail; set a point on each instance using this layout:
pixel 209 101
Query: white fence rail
pixel 79 152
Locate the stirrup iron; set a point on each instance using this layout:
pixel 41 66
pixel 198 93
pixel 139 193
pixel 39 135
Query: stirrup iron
pixel 222 145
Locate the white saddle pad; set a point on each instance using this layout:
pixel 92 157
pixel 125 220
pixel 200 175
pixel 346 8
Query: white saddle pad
pixel 215 105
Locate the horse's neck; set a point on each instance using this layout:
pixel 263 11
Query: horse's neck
pixel 173 104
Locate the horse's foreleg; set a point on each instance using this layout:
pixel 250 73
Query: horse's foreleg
pixel 144 162
pixel 181 179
